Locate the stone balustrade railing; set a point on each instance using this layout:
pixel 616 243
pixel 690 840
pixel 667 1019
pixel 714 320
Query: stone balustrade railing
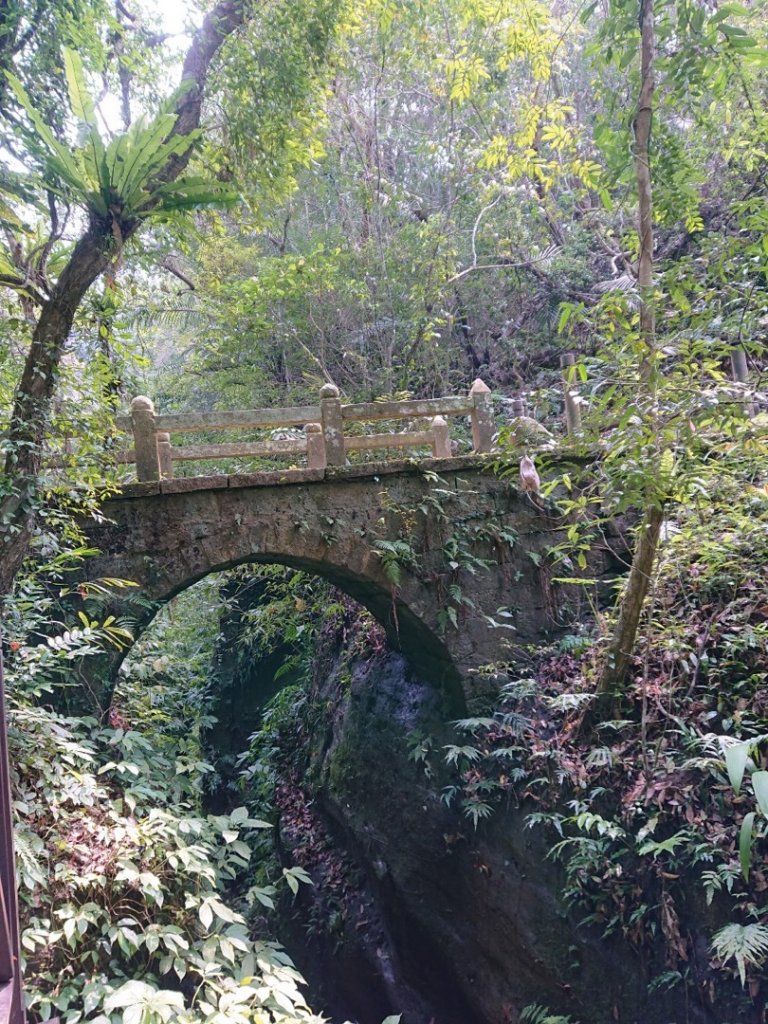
pixel 325 441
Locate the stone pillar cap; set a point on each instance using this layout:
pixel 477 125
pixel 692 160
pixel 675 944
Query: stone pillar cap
pixel 479 386
pixel 329 391
pixel 142 402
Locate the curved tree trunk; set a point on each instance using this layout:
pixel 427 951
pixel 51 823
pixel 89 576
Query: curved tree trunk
pixel 91 257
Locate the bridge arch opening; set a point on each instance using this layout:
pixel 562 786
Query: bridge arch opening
pixel 361 531
pixel 244 675
pixel 406 632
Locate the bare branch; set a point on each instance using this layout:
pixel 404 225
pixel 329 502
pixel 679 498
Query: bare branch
pixel 503 264
pixel 171 266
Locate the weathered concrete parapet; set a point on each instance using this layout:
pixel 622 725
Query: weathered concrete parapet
pixel 337 523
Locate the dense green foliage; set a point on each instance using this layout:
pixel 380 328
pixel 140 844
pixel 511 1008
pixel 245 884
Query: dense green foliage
pixel 396 197
pixel 127 883
pixel 657 799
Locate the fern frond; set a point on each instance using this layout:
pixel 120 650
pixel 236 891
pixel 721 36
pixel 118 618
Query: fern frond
pixel 536 1014
pixel 29 853
pixel 747 944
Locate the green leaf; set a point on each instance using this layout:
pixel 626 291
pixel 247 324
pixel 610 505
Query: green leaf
pixel 736 757
pixel 566 311
pixel 40 126
pixel 7 267
pixel 760 786
pixel 745 843
pixel 294 876
pixel 9 218
pixel 129 156
pixel 80 99
pixel 205 913
pixel 666 845
pixel 139 993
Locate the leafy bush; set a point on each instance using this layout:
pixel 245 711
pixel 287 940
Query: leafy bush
pixel 127 886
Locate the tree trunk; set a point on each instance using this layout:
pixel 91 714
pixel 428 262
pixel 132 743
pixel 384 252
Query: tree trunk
pixel 32 405
pixel 92 255
pixel 619 654
pixel 641 151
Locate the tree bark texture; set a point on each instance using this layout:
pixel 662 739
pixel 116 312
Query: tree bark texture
pixel 92 256
pixel 619 656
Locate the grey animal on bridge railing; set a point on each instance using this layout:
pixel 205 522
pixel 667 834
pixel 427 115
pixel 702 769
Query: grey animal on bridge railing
pixel 529 478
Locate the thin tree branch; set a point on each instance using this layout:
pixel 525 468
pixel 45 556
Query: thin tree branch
pixel 169 265
pixel 501 265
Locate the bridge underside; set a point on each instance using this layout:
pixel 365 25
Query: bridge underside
pixel 407 541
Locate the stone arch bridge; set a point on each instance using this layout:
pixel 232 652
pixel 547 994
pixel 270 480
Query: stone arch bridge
pixel 448 557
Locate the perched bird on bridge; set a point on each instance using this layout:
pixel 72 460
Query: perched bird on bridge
pixel 529 478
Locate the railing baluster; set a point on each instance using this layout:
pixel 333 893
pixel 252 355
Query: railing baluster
pixel 164 455
pixel 571 395
pixel 483 424
pixel 315 446
pixel 333 425
pixel 740 373
pixel 441 442
pixel 145 438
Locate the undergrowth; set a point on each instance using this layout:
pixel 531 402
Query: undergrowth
pixel 134 900
pixel 661 812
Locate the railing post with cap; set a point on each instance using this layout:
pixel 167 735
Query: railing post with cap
pixel 145 438
pixel 483 424
pixel 571 395
pixel 315 446
pixel 441 443
pixel 333 425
